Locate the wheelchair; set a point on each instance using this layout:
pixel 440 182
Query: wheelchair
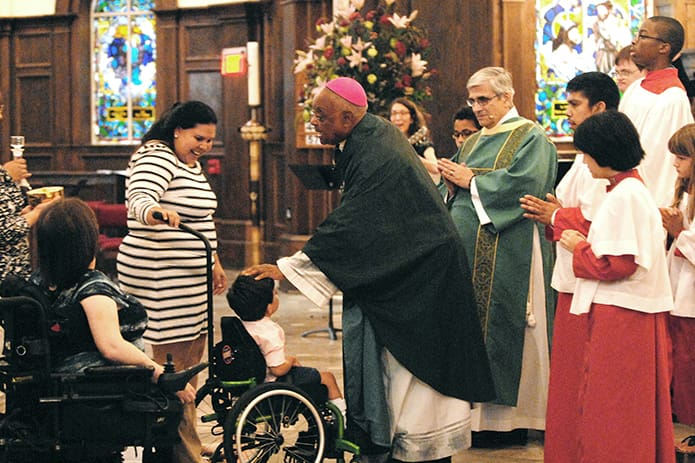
pixel 262 422
pixel 267 422
pixel 78 417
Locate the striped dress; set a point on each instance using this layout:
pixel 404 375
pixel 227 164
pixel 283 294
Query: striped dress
pixel 162 266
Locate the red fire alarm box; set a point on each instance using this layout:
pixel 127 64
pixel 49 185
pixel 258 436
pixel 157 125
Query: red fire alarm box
pixel 234 61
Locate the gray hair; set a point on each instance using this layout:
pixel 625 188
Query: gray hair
pixel 499 79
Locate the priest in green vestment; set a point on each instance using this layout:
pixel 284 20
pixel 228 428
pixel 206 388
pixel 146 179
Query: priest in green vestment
pixel 510 263
pixel 412 345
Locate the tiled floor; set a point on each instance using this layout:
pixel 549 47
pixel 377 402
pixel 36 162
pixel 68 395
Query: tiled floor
pixel 297 315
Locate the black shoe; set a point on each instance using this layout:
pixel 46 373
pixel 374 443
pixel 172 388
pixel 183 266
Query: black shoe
pixel 494 439
pixel 357 435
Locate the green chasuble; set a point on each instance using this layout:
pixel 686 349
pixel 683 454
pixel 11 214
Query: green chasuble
pixel 394 251
pixel 511 160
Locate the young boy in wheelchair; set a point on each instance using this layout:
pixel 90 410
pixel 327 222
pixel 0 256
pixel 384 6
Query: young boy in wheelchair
pixel 255 301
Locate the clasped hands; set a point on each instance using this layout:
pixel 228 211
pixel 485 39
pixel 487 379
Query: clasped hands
pixel 542 211
pixel 455 174
pixel 672 220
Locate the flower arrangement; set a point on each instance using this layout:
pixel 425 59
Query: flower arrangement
pixel 382 50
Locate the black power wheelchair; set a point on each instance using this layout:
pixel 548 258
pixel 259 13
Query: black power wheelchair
pixel 78 417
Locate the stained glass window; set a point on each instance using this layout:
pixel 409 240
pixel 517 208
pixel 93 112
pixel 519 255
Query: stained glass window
pixel 123 69
pixel 575 36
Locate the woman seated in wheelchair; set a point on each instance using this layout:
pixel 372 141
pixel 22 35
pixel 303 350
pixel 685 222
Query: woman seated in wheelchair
pixel 255 301
pixel 106 325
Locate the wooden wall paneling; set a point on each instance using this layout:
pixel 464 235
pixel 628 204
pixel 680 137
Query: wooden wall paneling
pixel 33 92
pixel 168 54
pixel 304 209
pixel 460 45
pixel 518 51
pixel 202 36
pixel 7 97
pixel 274 163
pixel 80 90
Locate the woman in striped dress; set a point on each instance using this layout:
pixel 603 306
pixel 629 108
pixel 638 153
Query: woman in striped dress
pixel 164 267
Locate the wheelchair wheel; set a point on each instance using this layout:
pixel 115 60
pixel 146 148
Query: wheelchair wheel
pixel 274 423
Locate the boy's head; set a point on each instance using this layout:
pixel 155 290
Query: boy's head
pixel 658 41
pixel 626 70
pixel 590 93
pixel 465 125
pixel 250 298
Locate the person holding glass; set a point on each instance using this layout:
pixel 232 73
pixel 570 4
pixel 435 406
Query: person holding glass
pixel 16 217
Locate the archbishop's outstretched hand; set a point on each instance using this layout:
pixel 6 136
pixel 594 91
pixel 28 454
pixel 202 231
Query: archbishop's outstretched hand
pixel 261 271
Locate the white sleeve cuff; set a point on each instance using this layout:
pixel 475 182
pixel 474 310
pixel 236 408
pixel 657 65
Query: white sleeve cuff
pixel 479 209
pixel 307 278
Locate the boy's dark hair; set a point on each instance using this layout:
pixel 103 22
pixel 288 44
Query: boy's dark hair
pixel 249 297
pixel 611 139
pixel 596 86
pixel 670 31
pixel 466 112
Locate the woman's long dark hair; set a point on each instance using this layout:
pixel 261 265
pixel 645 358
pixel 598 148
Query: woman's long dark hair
pixel 417 118
pixel 184 115
pixel 67 237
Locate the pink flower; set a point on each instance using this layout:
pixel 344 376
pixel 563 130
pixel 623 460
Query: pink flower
pixel 328 52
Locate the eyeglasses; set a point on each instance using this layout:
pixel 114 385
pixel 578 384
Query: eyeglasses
pixel 463 133
pixel 481 101
pixel 641 36
pixel 623 72
pixel 405 112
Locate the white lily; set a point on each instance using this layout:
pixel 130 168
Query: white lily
pixel 358 4
pixel 319 44
pixel 355 59
pixel 302 61
pixel 346 41
pixel 417 65
pixel 360 45
pixel 401 22
pixel 320 83
pixel 327 28
pixel 345 12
